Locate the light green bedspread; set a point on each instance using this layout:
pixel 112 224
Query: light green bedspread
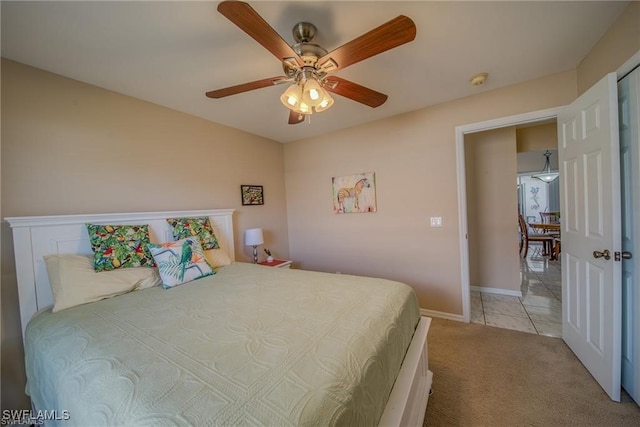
pixel 250 345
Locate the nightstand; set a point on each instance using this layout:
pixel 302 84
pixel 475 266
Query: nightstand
pixel 277 263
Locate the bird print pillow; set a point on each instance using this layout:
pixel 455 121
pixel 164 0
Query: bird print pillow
pixel 180 261
pixel 119 246
pixel 199 226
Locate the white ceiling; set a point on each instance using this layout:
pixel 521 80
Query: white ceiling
pixel 171 53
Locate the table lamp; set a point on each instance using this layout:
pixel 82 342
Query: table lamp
pixel 253 237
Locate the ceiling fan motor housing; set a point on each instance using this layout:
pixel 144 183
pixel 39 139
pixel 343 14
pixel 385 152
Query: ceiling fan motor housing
pixel 304 32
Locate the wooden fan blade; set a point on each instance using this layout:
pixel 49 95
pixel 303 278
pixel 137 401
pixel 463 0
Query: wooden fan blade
pixel 249 21
pixel 245 87
pixel 392 34
pixel 295 118
pixel 354 91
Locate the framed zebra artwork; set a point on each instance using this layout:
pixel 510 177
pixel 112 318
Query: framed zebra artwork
pixel 354 193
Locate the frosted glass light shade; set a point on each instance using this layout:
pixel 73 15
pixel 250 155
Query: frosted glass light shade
pixel 326 103
pixel 312 94
pixel 292 97
pixel 304 109
pixel 546 177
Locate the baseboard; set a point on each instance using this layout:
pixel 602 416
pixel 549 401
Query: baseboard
pixel 497 291
pixel 441 315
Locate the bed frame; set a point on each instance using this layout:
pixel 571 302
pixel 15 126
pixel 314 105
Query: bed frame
pixel 37 236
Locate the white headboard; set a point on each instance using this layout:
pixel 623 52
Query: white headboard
pixel 37 236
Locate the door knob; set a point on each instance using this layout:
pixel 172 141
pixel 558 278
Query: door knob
pixel 626 255
pixel 604 254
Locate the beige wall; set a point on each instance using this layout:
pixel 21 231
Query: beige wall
pixel 537 138
pixel 618 44
pixel 533 161
pixel 414 158
pixel 492 205
pixel 68 147
pixel 532 142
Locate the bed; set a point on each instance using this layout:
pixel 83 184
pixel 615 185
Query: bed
pixel 248 345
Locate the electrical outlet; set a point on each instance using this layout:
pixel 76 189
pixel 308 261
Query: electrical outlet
pixel 436 221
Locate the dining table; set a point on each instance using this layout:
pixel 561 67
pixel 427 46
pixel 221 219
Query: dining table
pixel 545 227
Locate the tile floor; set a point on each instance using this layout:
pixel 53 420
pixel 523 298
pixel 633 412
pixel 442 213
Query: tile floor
pixel 538 311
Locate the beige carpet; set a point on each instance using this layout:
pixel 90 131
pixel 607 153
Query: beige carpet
pixel 486 376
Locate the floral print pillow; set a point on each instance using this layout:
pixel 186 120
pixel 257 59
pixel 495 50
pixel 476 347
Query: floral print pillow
pixel 200 226
pixel 119 246
pixel 180 261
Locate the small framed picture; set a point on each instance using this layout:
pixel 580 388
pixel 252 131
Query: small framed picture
pixel 252 195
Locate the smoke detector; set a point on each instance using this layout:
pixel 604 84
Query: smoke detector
pixel 479 79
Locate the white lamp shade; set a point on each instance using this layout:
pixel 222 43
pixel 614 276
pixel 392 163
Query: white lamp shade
pixel 253 237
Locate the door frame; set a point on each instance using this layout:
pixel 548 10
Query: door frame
pixel 461 131
pixel 630 381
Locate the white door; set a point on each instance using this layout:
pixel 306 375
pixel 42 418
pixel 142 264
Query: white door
pixel 629 110
pixel 590 217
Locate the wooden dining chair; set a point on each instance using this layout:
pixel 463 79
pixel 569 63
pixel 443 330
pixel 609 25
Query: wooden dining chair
pixel 527 238
pixel 556 248
pixel 550 218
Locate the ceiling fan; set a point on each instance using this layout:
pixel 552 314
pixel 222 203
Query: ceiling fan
pixel 309 67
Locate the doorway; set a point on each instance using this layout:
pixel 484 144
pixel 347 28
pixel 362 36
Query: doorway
pixel 507 291
pixel 461 131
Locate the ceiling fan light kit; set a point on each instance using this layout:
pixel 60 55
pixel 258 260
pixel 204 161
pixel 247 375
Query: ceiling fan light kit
pixel 308 66
pixel 306 95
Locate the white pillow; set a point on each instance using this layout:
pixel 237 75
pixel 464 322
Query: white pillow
pixel 74 281
pixel 217 257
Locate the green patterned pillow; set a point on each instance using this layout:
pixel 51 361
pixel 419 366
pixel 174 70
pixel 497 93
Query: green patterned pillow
pixel 180 261
pixel 201 227
pixel 119 246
